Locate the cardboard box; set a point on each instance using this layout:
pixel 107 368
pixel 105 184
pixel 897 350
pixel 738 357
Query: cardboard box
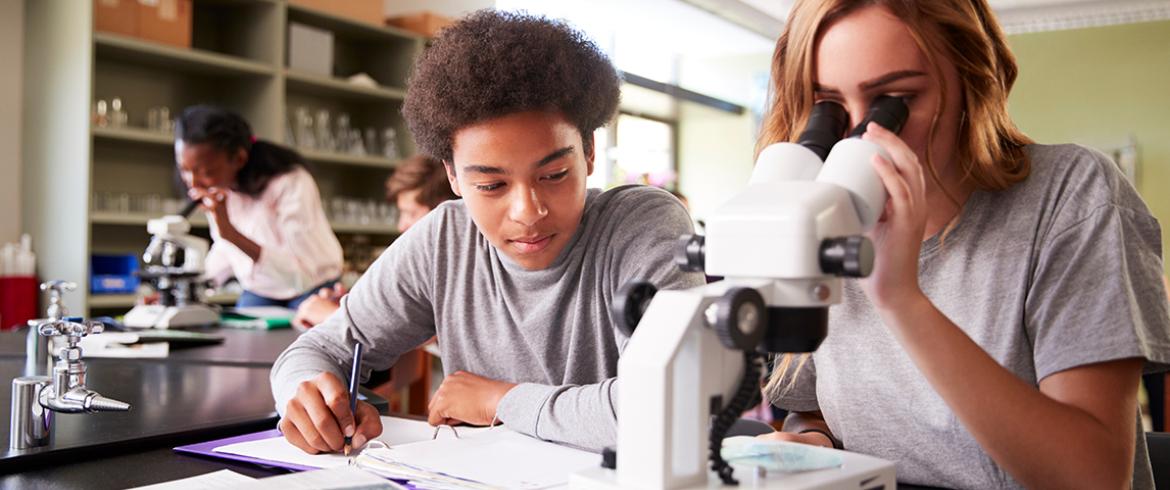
pixel 426 23
pixel 116 16
pixel 310 49
pixel 368 11
pixel 165 21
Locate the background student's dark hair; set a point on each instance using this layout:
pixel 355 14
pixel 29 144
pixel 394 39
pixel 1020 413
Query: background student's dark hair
pixel 227 131
pixel 425 174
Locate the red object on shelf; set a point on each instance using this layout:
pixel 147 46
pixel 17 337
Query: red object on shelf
pixel 18 301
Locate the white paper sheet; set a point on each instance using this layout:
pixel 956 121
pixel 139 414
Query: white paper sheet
pixel 495 457
pixel 265 311
pixel 395 431
pixel 222 479
pixel 115 345
pixel 341 478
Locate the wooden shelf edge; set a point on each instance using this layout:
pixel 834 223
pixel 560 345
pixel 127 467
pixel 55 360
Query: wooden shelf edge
pixel 341 86
pixel 207 60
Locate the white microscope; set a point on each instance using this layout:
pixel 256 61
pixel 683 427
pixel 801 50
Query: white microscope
pixel 174 265
pixel 695 357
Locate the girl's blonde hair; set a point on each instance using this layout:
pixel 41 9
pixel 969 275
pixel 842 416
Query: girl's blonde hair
pixel 990 149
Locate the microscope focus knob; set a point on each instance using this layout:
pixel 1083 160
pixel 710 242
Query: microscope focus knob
pixel 850 256
pixel 630 303
pixel 690 253
pixel 741 318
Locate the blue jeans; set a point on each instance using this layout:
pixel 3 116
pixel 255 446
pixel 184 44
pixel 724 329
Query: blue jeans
pixel 249 298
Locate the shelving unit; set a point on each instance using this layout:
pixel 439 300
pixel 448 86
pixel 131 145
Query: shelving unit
pixel 131 50
pixel 318 85
pixel 138 220
pixel 238 60
pixel 135 135
pixel 127 301
pixel 342 159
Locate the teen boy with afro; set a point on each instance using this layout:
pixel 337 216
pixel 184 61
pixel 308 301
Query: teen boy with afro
pixel 516 278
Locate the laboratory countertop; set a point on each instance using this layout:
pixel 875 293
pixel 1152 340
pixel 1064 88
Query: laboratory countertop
pixel 196 393
pixel 241 347
pixel 171 403
pixel 140 468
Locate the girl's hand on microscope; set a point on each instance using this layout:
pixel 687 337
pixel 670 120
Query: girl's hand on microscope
pixel 214 199
pixel 897 237
pixel 317 418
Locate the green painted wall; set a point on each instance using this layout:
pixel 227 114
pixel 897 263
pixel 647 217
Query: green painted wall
pixel 1098 87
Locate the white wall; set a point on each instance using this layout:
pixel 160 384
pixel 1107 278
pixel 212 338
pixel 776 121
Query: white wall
pixel 12 59
pixel 716 149
pixel 449 8
pixel 715 156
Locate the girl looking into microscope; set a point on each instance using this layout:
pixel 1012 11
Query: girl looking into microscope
pixel 268 228
pixel 1016 297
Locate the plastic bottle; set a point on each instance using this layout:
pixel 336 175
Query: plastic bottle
pixel 8 264
pixel 26 259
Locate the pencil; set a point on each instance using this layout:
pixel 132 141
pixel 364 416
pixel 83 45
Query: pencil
pixel 353 390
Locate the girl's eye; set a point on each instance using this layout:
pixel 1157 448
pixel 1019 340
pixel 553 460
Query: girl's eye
pixel 906 97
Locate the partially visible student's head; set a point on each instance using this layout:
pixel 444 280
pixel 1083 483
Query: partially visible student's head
pixel 948 58
pixel 417 186
pixel 215 147
pixel 509 103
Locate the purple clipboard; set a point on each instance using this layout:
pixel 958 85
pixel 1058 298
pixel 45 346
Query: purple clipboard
pixel 208 449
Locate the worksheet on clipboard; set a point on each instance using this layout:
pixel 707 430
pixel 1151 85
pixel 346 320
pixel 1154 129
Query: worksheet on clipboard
pixel 478 458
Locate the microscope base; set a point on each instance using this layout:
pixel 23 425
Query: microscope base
pixel 857 472
pixel 159 316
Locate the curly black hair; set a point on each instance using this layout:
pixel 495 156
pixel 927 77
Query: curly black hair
pixel 493 63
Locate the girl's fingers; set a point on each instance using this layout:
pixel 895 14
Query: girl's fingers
pixel 905 161
pixel 894 182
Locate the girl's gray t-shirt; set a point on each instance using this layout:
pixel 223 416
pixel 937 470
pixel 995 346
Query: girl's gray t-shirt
pixel 1061 270
pixel 549 330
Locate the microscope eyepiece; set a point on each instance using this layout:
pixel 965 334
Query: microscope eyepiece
pixel 888 111
pixel 827 122
pixel 190 207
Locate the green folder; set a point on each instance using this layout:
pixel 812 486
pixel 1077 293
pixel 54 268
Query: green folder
pixel 238 321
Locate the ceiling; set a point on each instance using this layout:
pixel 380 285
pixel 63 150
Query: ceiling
pixel 778 9
pixel 705 28
pixel 765 17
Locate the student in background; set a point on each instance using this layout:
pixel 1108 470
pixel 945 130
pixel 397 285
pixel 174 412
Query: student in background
pixel 268 228
pixel 516 278
pixel 418 185
pixel 1016 295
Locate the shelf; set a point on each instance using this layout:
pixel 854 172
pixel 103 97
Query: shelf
pixel 133 134
pixel 129 300
pixel 139 135
pixel 136 219
pixel 171 58
pixel 343 159
pixel 236 59
pixel 373 229
pixel 347 27
pixel 197 221
pixel 112 300
pixel 320 85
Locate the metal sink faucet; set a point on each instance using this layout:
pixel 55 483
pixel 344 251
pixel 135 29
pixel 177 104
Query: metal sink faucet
pixel 35 398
